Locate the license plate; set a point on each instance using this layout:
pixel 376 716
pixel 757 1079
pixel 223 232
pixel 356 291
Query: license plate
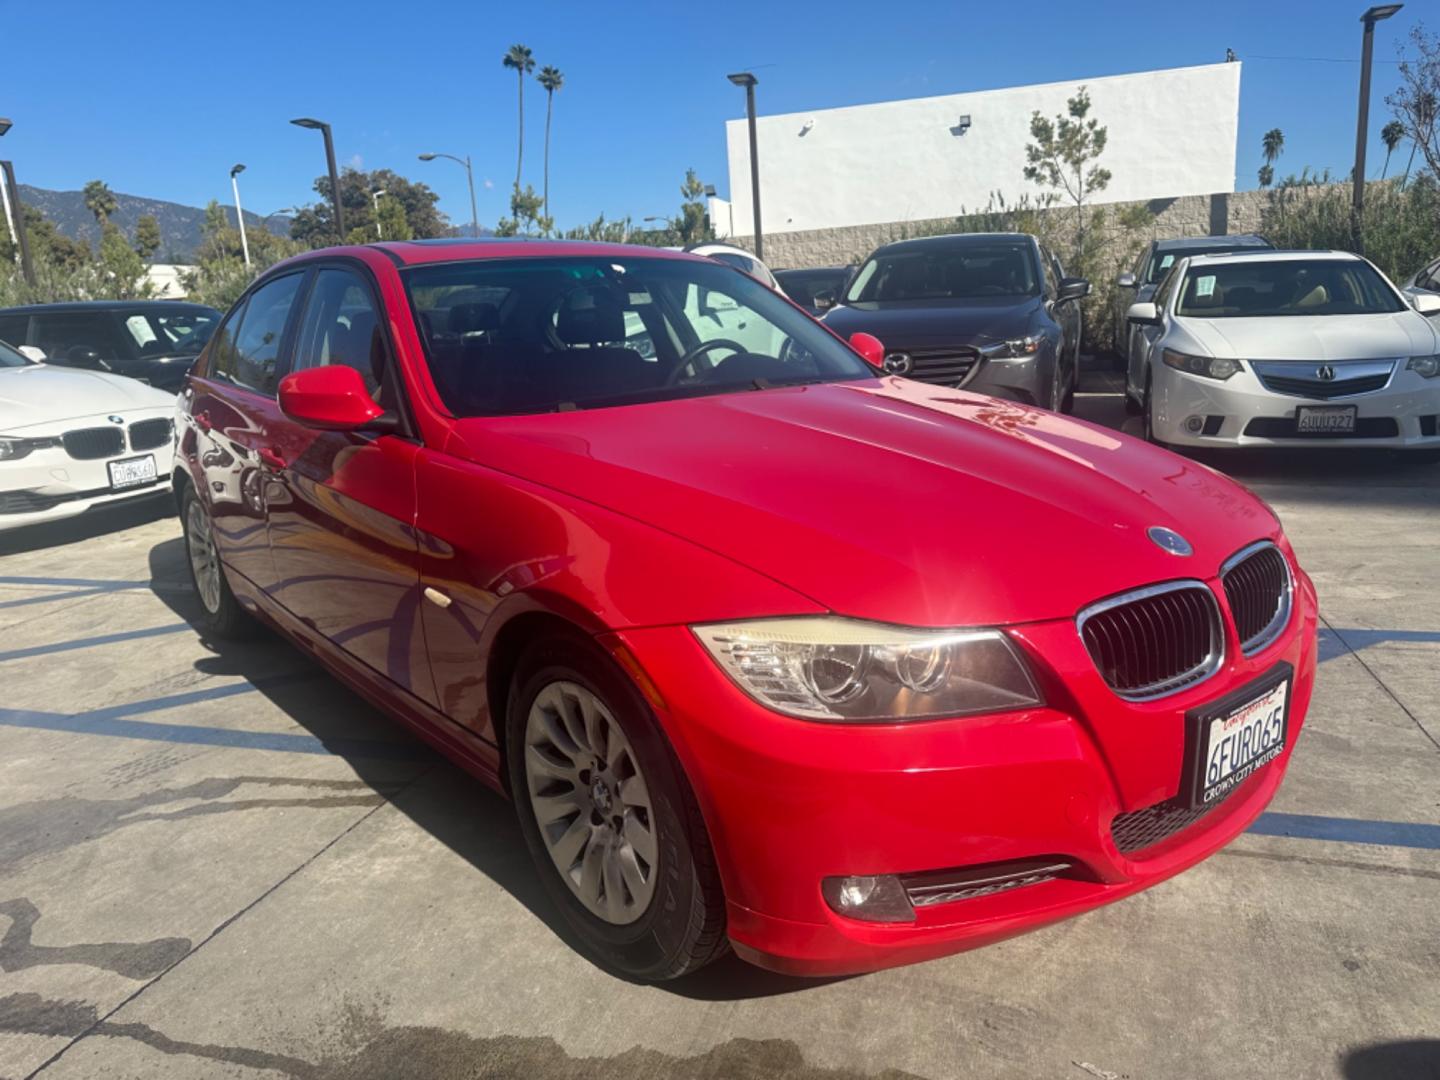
pixel 1325 420
pixel 1232 739
pixel 132 472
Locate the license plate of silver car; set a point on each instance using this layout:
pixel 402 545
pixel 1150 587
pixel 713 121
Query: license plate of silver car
pixel 1325 420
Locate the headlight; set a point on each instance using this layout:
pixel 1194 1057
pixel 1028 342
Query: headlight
pixel 1212 367
pixel 1427 367
pixel 836 669
pixel 10 449
pixel 1014 349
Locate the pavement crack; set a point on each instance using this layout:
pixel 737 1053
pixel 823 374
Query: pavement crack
pixel 1381 683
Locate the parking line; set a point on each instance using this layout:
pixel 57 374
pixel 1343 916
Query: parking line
pixel 1348 830
pixel 85 643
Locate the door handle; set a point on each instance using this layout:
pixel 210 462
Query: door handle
pixel 271 457
pixel 202 421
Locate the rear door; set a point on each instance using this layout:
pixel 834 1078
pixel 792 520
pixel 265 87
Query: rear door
pixel 341 505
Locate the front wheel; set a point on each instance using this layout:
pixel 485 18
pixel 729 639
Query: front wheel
pixel 1147 410
pixel 608 817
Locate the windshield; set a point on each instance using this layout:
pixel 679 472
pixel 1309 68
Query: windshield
pixel 1260 287
pixel 543 334
pixel 1162 261
pixel 177 333
pixel 957 272
pixel 802 285
pixel 12 358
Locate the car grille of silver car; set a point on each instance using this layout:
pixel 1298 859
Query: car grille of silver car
pixel 1258 587
pixel 942 365
pixel 148 434
pixel 1326 380
pixel 87 444
pixel 1156 640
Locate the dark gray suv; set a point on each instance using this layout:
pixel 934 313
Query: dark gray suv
pixel 992 312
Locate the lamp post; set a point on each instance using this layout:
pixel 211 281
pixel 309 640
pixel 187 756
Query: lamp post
pixel 1370 18
pixel 469 175
pixel 747 80
pixel 235 171
pixel 375 201
pixel 324 129
pixel 14 212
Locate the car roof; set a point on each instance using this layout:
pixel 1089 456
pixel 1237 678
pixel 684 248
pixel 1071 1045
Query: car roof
pixel 1239 240
pixel 950 240
pixel 466 249
pixel 1272 255
pixel 814 270
pixel 134 306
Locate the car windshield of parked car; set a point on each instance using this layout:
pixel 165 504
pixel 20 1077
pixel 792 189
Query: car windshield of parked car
pixel 12 357
pixel 178 333
pixel 546 334
pixel 802 286
pixel 1260 288
pixel 1162 261
pixel 959 272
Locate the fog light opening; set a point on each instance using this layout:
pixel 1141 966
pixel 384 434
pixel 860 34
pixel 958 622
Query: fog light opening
pixel 873 898
pixel 1194 424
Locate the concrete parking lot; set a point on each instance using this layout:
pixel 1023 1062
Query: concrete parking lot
pixel 217 862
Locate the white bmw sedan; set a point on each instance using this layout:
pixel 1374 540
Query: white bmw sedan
pixel 1287 348
pixel 72 439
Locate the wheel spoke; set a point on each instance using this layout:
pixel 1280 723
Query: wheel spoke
pixel 574 721
pixel 596 724
pixel 550 808
pixel 633 792
pixel 630 872
pixel 640 838
pixel 590 872
pixel 614 887
pixel 538 761
pixel 567 849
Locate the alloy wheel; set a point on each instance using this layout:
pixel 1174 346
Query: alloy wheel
pixel 591 802
pixel 204 560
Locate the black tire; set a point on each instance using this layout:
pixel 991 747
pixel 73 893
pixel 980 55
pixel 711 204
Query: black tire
pixel 683 927
pixel 1132 407
pixel 220 613
pixel 1147 411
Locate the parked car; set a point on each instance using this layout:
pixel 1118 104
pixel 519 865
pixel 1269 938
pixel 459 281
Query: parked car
pixel 991 312
pixel 816 290
pixel 1154 262
pixel 74 440
pixel 651 598
pixel 1287 348
pixel 152 340
pixel 739 258
pixel 1425 281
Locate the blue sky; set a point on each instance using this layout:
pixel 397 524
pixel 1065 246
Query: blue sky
pixel 162 100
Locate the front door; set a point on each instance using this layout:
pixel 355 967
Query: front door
pixel 341 505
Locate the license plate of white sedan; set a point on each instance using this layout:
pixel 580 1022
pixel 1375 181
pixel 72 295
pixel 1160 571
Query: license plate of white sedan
pixel 1325 420
pixel 1233 738
pixel 132 472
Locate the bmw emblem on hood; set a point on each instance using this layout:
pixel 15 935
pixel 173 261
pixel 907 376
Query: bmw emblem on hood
pixel 116 419
pixel 1169 540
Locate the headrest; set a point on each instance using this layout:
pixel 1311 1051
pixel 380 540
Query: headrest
pixel 590 317
pixel 473 318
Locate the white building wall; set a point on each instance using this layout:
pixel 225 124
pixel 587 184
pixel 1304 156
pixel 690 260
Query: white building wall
pixel 1170 133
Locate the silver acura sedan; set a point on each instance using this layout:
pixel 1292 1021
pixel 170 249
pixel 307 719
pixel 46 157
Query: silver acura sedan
pixel 1287 348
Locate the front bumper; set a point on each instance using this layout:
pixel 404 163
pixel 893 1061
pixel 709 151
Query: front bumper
pixel 49 485
pixel 1406 414
pixel 789 802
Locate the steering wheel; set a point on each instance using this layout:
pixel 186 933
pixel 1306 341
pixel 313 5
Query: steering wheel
pixel 694 354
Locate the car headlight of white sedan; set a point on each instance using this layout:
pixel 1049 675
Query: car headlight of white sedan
pixel 1427 367
pixel 1211 367
pixel 12 448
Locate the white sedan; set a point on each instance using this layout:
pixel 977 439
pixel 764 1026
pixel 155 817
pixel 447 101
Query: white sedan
pixel 72 439
pixel 1287 348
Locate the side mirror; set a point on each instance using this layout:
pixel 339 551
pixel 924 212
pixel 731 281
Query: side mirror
pixel 1072 288
pixel 823 301
pixel 1145 314
pixel 330 398
pixel 1426 303
pixel 870 349
pixel 1126 280
pixel 34 352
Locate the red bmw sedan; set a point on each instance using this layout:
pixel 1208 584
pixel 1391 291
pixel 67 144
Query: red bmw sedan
pixel 768 650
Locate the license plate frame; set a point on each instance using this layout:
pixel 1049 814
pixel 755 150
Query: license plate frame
pixel 1199 742
pixel 132 472
pixel 1326 419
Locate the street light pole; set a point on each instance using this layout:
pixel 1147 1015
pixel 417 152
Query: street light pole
pixel 747 80
pixel 15 212
pixel 1357 205
pixel 469 175
pixel 375 201
pixel 324 129
pixel 235 171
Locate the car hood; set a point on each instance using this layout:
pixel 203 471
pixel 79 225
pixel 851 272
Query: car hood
pixel 949 322
pixel 891 500
pixel 43 394
pixel 1316 337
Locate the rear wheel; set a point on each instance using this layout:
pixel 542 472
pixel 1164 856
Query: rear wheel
pixel 220 612
pixel 609 819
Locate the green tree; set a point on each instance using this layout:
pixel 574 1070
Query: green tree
pixel 123 269
pixel 1416 102
pixel 551 78
pixel 220 273
pixel 610 232
pixel 1063 157
pixel 313 225
pixel 147 236
pixel 1272 145
pixel 693 224
pixel 100 201
pixel 1391 135
pixel 518 59
pixel 527 216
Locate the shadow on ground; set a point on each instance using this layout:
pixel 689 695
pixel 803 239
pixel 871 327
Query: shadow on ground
pixel 1412 1059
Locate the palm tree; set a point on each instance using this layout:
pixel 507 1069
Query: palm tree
pixel 100 201
pixel 1390 135
pixel 518 58
pixel 1266 175
pixel 551 78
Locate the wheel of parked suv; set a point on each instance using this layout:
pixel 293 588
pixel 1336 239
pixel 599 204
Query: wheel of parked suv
pixel 609 819
pixel 221 613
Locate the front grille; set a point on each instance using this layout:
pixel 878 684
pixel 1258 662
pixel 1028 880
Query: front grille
pixel 148 434
pixel 1347 378
pixel 1145 828
pixel 28 502
pixel 87 444
pixel 942 365
pixel 1284 427
pixel 1154 641
pixel 1258 587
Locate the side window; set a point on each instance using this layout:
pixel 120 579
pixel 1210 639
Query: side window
pixel 70 338
pixel 12 329
pixel 222 349
pixel 1047 266
pixel 1167 286
pixel 1431 280
pixel 261 330
pixel 342 326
